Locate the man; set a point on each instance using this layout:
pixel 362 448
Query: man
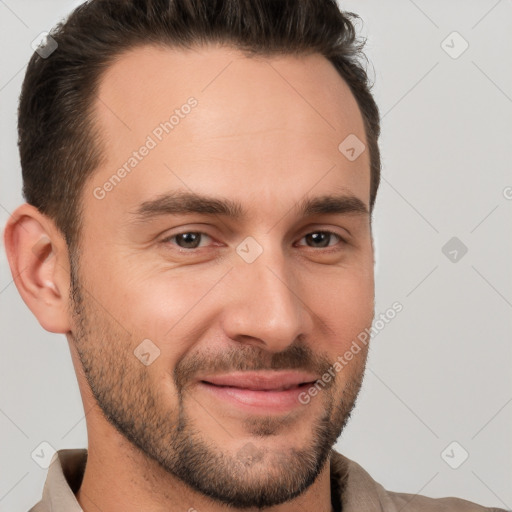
pixel 200 178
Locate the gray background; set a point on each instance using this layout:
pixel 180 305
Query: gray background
pixel 440 371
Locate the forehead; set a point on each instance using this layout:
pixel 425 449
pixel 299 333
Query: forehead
pixel 216 120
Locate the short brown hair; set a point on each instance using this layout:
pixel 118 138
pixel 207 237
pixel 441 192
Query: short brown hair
pixel 60 146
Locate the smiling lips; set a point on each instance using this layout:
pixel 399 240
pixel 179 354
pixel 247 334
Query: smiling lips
pixel 259 392
pixel 261 381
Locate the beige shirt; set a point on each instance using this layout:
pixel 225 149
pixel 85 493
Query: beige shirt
pixel 357 491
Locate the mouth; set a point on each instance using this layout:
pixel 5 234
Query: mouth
pixel 271 390
pixel 259 392
pixel 262 380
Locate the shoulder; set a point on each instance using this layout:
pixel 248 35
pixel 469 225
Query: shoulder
pixel 361 492
pixel 417 503
pixel 39 507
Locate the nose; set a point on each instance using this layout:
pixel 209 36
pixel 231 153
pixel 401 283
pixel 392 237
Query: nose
pixel 266 306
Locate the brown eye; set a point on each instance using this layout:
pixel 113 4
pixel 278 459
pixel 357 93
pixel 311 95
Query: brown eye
pixel 186 240
pixel 321 239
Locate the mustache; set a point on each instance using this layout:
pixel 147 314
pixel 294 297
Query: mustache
pixel 298 356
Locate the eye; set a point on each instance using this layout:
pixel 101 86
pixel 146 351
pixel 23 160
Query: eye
pixel 192 239
pixel 321 239
pixel 187 240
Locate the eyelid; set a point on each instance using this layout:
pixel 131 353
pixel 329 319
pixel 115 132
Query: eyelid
pixel 336 229
pixel 327 231
pixel 168 238
pixel 342 238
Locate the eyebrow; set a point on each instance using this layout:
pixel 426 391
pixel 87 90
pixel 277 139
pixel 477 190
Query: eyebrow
pixel 182 202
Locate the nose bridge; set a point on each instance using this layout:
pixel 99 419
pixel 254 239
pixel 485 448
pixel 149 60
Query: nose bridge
pixel 266 305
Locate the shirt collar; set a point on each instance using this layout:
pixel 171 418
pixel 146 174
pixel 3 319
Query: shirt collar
pixel 356 487
pixel 63 480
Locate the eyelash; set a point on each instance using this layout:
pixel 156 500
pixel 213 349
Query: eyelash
pixel 325 249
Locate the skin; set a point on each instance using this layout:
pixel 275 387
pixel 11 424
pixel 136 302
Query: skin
pixel 265 132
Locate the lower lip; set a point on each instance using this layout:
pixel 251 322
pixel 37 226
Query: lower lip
pixel 273 401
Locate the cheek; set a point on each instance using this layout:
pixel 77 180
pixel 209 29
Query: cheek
pixel 175 307
pixel 345 304
pixel 169 308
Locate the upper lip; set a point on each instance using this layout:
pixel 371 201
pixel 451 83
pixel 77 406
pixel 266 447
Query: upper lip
pixel 261 381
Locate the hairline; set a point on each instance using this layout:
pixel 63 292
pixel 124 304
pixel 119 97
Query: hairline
pixel 95 135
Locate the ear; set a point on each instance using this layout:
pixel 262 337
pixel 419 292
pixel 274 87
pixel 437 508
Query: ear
pixel 38 258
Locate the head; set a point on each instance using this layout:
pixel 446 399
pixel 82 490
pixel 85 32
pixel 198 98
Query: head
pixel 192 211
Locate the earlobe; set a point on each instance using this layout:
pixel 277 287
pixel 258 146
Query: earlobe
pixel 38 259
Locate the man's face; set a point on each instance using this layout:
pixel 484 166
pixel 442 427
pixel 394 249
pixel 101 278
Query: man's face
pixel 166 300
